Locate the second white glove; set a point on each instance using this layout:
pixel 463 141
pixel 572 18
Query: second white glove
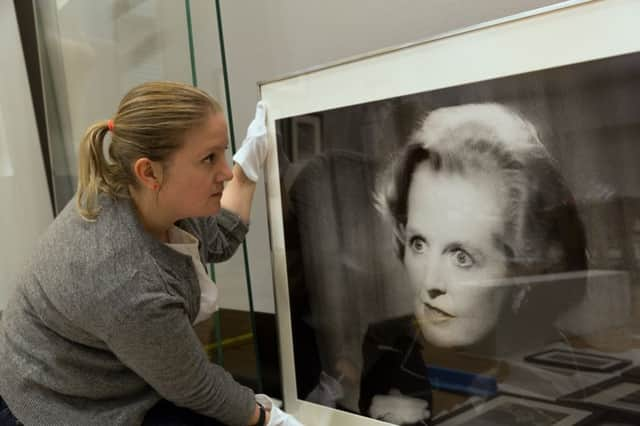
pixel 278 417
pixel 253 152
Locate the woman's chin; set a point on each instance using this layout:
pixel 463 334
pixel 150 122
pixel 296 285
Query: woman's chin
pixel 450 334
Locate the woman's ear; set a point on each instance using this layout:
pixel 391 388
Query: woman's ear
pixel 148 173
pixel 399 237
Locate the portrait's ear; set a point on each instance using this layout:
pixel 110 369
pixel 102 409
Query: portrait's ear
pixel 400 232
pixel 399 237
pixel 148 173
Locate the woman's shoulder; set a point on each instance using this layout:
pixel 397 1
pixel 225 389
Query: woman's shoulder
pixel 97 257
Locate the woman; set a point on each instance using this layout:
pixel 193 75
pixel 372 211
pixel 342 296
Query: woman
pixel 480 215
pixel 99 330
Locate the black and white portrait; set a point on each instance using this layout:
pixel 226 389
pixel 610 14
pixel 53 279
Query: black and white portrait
pixel 463 229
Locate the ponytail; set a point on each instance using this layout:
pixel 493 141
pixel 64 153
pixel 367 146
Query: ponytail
pixel 151 122
pixel 92 167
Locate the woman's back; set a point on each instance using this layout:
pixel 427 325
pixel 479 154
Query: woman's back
pixel 88 282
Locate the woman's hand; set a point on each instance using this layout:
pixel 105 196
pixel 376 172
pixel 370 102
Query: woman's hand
pixel 238 193
pixel 253 152
pixel 399 409
pixel 276 417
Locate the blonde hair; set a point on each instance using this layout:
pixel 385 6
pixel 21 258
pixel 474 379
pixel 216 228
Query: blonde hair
pixel 539 210
pixel 151 121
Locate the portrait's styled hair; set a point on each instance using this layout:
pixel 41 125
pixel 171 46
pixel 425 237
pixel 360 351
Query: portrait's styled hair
pixel 151 122
pixel 542 232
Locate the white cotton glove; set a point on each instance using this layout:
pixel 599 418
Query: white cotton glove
pixel 278 417
pixel 253 152
pixel 399 409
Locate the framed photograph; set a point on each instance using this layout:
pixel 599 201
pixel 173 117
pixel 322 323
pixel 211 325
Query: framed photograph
pixel 577 360
pixel 356 322
pixel 516 410
pixel 617 394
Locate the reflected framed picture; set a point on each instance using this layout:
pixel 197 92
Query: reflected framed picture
pixel 577 360
pixel 612 418
pixel 306 137
pixel 355 319
pixel 617 393
pixel 508 409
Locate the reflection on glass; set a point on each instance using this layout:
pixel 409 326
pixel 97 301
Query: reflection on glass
pixel 446 246
pixel 92 55
pixel 6 169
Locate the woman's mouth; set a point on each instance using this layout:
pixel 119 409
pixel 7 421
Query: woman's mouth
pixel 436 314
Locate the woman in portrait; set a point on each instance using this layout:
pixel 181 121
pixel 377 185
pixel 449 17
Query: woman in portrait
pixel 481 218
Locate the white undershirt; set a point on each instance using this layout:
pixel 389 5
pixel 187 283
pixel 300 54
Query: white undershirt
pixel 185 243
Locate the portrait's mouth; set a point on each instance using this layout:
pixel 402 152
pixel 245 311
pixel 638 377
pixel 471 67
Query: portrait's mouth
pixel 436 314
pixel 217 194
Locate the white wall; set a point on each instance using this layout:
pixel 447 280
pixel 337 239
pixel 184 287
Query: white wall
pixel 268 39
pixel 25 209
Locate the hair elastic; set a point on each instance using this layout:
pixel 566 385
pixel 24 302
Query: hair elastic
pixel 110 125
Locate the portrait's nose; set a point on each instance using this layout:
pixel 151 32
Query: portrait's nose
pixel 435 292
pixel 434 280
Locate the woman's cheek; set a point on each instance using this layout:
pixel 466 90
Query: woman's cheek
pixel 415 273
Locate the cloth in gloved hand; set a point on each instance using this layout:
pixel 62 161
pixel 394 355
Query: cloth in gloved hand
pixel 277 416
pixel 253 152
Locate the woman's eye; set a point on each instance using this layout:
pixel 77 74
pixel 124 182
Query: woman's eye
pixel 417 244
pixel 209 158
pixel 462 258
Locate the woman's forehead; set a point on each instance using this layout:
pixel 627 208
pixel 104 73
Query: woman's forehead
pixel 455 205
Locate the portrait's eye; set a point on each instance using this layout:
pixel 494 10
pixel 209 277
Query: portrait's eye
pixel 417 244
pixel 462 259
pixel 209 158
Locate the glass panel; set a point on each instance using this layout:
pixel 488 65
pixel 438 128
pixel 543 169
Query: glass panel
pixel 6 168
pixel 92 54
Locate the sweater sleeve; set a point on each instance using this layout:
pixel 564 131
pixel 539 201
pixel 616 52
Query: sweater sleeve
pixel 156 341
pixel 220 235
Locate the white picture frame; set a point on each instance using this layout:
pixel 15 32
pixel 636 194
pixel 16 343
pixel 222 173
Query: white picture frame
pixel 568 33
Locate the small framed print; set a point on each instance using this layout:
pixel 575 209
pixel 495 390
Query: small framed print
pixel 511 409
pixel 633 374
pixel 617 393
pixel 576 360
pixel 612 418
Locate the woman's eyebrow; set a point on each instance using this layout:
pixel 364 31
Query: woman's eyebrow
pixel 414 232
pixel 213 148
pixel 477 253
pixel 466 245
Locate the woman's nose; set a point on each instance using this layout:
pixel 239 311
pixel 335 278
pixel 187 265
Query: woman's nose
pixel 435 292
pixel 434 282
pixel 225 173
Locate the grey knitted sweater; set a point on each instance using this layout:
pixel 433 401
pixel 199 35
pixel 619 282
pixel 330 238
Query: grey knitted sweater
pixel 99 327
